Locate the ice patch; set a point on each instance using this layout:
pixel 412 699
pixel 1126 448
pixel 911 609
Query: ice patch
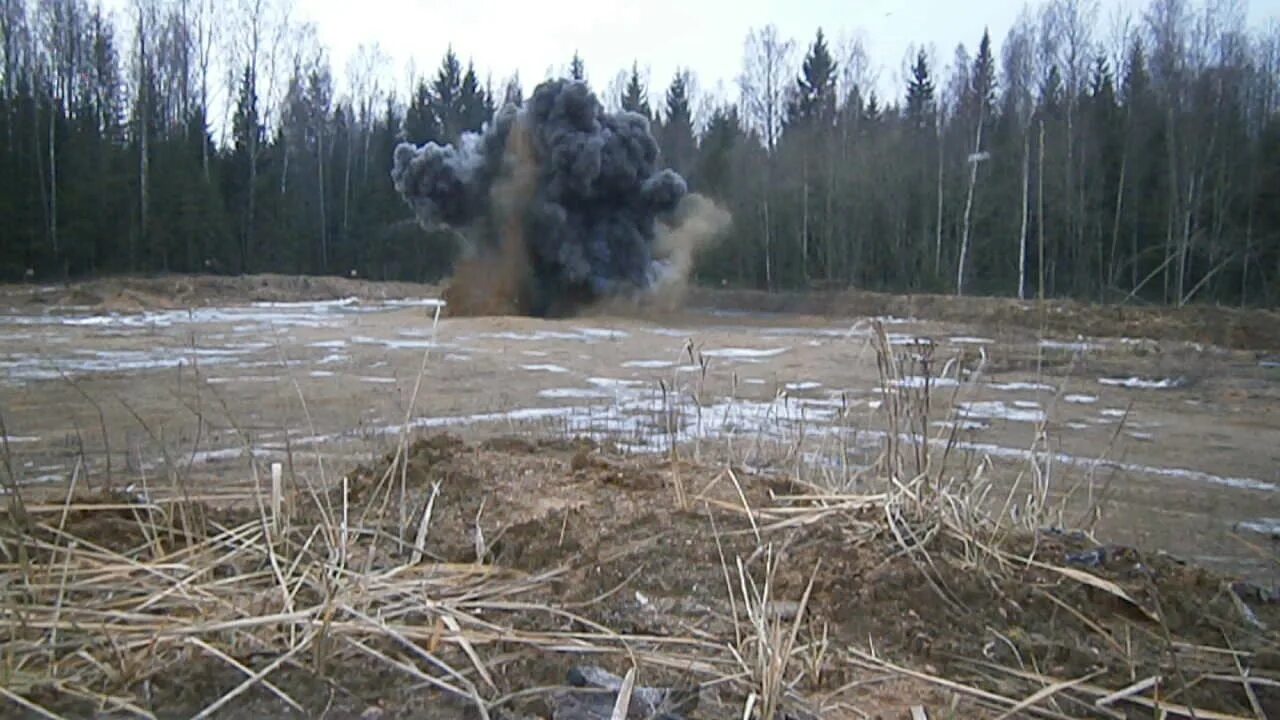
pixel 1032 386
pixel 648 364
pixel 1143 383
pixel 996 410
pixel 743 353
pixel 544 368
pixel 1081 399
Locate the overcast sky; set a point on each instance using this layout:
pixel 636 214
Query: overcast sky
pixel 707 36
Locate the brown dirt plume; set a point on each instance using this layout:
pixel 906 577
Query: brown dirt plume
pixel 495 282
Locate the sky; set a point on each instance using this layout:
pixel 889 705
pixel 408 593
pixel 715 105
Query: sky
pixel 535 37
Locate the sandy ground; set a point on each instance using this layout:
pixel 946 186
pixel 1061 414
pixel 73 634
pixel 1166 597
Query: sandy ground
pixel 1169 445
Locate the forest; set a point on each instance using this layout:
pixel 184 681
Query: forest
pixel 1112 159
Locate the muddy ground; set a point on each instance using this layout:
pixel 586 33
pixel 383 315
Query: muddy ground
pixel 1145 433
pixel 620 553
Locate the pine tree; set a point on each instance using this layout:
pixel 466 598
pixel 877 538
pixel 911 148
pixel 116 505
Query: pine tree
pixel 420 123
pixel 635 98
pixel 982 80
pixel 920 110
pixel 676 132
pixel 446 97
pixel 577 69
pixel 474 106
pixel 814 97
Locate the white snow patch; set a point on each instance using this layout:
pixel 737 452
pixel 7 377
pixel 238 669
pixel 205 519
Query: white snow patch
pixel 965 340
pixel 805 385
pixel 648 364
pixel 1081 399
pixel 918 382
pixel 1026 404
pixel 242 379
pixel 1143 383
pixel 996 410
pixel 332 344
pixel 608 333
pixel 533 353
pixel 1264 526
pixel 544 368
pixel 1076 346
pixel 19 438
pixel 962 424
pixel 1114 412
pixel 1078 425
pixel 1033 386
pixel 321 373
pixel 571 393
pixel 376 379
pixel 741 353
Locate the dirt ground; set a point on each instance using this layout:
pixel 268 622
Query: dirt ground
pixel 1156 432
pixel 622 554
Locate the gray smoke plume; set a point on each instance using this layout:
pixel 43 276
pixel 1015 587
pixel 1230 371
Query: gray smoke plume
pixel 573 190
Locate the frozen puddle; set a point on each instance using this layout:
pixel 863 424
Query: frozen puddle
pixel 1139 383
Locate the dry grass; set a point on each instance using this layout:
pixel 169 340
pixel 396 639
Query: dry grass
pixel 304 580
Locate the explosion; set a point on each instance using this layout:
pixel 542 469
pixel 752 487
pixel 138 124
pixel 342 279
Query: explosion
pixel 560 205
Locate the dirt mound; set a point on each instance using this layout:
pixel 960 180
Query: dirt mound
pixel 518 555
pixel 1236 328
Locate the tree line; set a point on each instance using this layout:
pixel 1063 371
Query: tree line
pixel 1140 163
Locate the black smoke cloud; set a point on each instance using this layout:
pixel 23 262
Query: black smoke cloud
pixel 576 188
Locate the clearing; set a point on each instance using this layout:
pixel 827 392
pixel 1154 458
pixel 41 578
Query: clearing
pixel 704 494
